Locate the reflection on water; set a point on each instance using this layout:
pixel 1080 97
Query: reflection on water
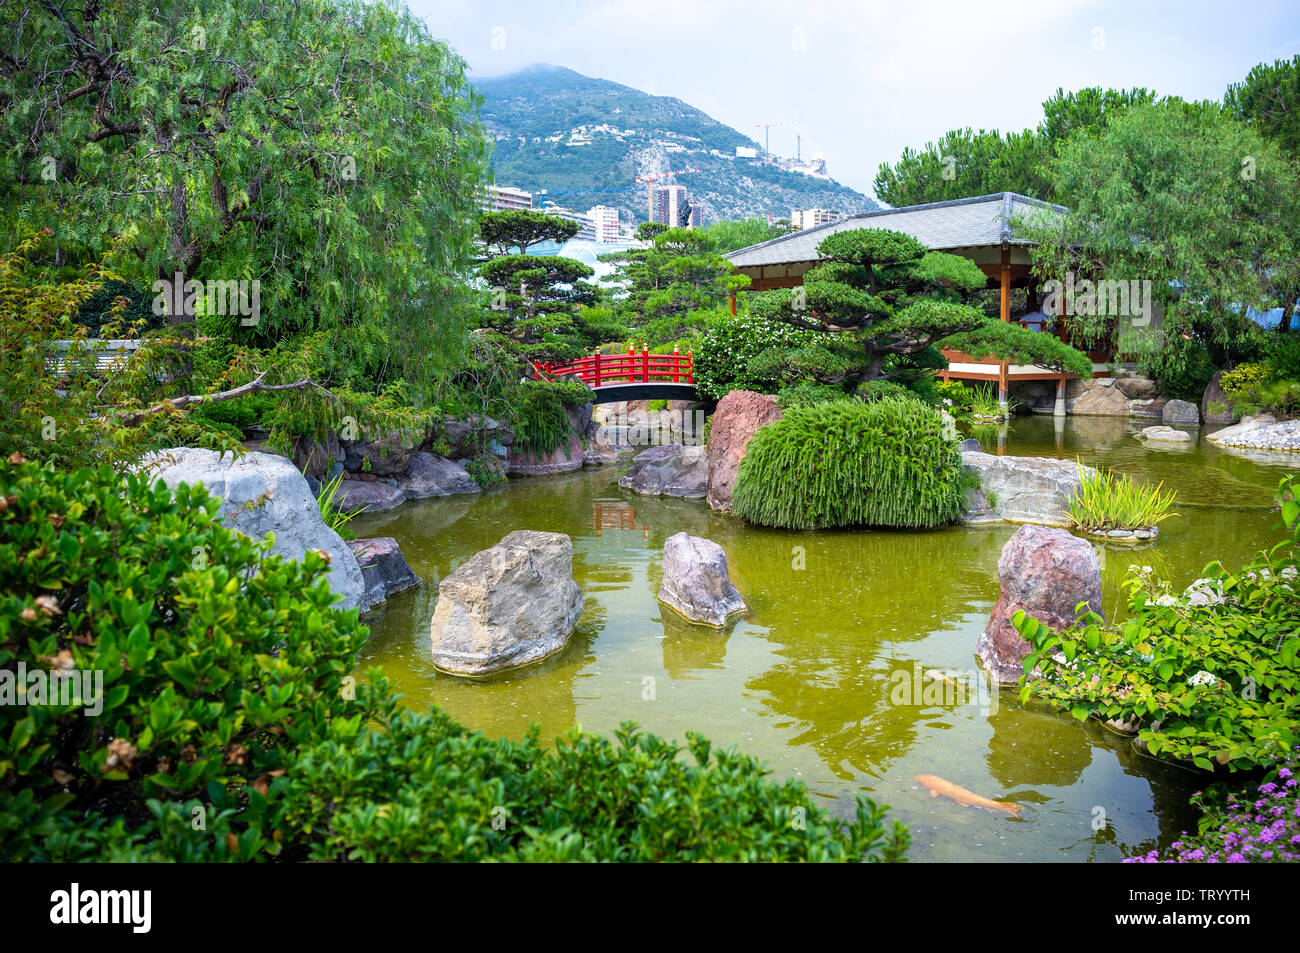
pixel 802 679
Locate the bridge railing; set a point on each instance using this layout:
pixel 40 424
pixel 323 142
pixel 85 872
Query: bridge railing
pixel 634 367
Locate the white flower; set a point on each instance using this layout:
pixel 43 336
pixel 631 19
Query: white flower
pixel 1166 600
pixel 1202 678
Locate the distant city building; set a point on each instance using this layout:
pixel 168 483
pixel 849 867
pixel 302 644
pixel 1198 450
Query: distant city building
pixel 605 220
pixel 697 215
pixel 587 232
pixel 810 217
pixel 671 204
pixel 746 152
pixel 503 198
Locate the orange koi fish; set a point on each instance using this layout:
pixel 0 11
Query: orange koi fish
pixel 938 785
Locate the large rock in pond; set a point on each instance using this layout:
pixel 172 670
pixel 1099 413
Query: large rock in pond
pixel 1137 388
pixel 371 496
pixel 511 604
pixel 1101 401
pixel 1216 405
pixel 1181 412
pixel 1165 434
pixel 738 417
pixel 696 582
pixel 467 438
pixel 262 493
pixel 428 475
pixel 383 567
pixel 669 471
pixel 387 455
pixel 1025 489
pixel 1046 572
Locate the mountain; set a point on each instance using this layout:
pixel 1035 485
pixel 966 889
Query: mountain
pixel 584 141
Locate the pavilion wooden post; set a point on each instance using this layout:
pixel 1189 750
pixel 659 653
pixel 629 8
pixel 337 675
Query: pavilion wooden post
pixel 1004 398
pixel 1058 410
pixel 733 304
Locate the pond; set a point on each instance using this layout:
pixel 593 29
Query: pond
pixel 803 681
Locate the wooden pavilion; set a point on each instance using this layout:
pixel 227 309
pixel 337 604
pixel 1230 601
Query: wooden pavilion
pixel 981 229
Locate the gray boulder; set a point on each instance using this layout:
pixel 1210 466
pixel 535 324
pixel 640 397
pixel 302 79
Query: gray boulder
pixel 1101 401
pixel 511 604
pixel 428 475
pixel 383 567
pixel 1046 572
pixel 669 471
pixel 1181 412
pixel 263 493
pixel 372 495
pixel 1216 405
pixel 1024 489
pixel 696 582
pixel 388 454
pixel 1137 388
pixel 1166 434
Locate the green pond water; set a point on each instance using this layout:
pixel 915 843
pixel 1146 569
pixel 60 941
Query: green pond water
pixel 803 681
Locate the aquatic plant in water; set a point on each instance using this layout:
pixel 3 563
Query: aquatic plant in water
pixel 1105 501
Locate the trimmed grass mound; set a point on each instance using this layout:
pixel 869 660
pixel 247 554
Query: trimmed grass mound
pixel 849 463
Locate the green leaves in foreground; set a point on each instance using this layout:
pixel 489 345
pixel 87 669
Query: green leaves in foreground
pixel 849 463
pixel 230 726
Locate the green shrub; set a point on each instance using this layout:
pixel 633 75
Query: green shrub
pixel 231 728
pixel 218 662
pixel 731 344
pixel 1180 365
pixel 871 391
pixel 1282 353
pixel 539 418
pixel 1266 384
pixel 419 787
pixel 849 463
pixel 807 393
pixel 1105 501
pixel 1212 681
pixel 485 470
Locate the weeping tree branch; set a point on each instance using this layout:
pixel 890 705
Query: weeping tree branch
pixel 252 387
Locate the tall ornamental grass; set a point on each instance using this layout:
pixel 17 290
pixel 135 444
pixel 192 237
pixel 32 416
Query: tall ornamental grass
pixel 1105 501
pixel 849 463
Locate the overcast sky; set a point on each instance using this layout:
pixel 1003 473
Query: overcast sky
pixel 861 80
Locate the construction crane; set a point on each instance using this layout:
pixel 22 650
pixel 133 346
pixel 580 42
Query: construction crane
pixel 767 135
pixel 650 184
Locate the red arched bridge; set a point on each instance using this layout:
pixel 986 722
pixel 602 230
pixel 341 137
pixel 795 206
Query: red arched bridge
pixel 636 375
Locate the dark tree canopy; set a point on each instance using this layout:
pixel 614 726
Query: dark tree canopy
pixel 885 303
pixel 503 231
pixel 1269 101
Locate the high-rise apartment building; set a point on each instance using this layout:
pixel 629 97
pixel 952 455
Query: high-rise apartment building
pixel 605 220
pixel 503 198
pixel 671 204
